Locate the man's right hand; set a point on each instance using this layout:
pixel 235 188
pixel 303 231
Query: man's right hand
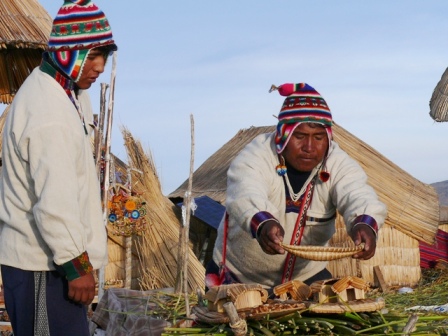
pixel 82 290
pixel 269 237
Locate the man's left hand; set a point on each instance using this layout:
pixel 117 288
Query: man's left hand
pixel 364 234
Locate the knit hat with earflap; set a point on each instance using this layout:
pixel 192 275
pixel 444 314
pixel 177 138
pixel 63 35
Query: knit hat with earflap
pixel 78 27
pixel 302 105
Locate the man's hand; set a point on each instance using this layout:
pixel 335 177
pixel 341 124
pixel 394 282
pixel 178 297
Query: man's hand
pixel 270 236
pixel 364 234
pixel 82 290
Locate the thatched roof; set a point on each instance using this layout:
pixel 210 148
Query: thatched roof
pixel 439 100
pixel 210 178
pixel 24 30
pixel 413 207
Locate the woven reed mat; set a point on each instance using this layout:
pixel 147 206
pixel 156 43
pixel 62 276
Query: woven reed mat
pixel 365 305
pixel 268 310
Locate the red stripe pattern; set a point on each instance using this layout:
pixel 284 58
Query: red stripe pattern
pixel 79 25
pixel 430 254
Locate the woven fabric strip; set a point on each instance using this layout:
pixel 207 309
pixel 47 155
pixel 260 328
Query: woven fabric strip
pixel 41 327
pixel 77 267
pixel 290 261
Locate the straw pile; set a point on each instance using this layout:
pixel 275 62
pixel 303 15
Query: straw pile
pixel 159 244
pixel 397 254
pixel 439 100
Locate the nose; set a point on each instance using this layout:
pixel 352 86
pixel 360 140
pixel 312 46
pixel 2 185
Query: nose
pixel 99 65
pixel 308 145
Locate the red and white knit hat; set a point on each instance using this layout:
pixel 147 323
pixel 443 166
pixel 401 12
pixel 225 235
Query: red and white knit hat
pixel 302 105
pixel 78 27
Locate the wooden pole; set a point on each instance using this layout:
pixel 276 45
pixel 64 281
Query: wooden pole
pixel 187 218
pixel 106 179
pixel 182 274
pixel 128 243
pixel 99 138
pixel 238 325
pixel 128 239
pixel 109 133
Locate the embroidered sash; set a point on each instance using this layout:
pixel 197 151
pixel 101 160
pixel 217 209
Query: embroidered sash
pixel 288 268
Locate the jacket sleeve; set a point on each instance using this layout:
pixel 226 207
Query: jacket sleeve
pixel 251 185
pixel 353 197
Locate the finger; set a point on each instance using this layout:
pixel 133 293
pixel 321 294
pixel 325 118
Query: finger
pixel 71 294
pixel 76 297
pixel 87 298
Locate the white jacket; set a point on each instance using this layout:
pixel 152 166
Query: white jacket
pixel 50 207
pixel 253 185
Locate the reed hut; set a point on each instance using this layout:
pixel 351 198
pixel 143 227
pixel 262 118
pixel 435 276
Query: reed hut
pixel 24 29
pixel 413 208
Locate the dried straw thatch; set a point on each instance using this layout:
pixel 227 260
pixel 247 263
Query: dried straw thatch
pixel 413 207
pixel 397 255
pixel 158 246
pixel 210 178
pixel 24 30
pixel 439 100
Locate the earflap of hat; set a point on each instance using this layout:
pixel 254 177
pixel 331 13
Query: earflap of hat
pixel 70 62
pixel 283 134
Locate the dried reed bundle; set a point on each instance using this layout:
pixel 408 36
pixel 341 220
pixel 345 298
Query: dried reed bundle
pixel 157 248
pixel 439 100
pixel 366 305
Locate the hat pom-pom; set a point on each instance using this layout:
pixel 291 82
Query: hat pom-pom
pixel 287 89
pixel 281 169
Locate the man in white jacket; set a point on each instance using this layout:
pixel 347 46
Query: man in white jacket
pixel 52 234
pixel 286 187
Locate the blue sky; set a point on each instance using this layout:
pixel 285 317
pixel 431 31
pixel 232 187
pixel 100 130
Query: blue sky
pixel 375 62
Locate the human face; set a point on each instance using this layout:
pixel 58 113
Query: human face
pixel 306 147
pixel 93 67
